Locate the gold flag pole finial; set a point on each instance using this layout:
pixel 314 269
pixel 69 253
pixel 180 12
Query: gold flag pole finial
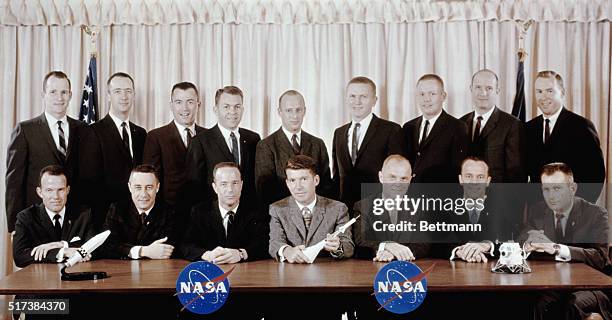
pixel 523 27
pixel 92 32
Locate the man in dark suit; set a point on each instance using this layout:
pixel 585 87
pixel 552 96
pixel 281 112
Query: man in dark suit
pixel 111 148
pixel 166 147
pixel 225 142
pixel 496 136
pixel 49 139
pixel 227 231
pixel 304 218
pixel 559 135
pixel 385 246
pixel 142 227
pixel 436 141
pixel 50 231
pixel 361 146
pixel 565 228
pixel 288 141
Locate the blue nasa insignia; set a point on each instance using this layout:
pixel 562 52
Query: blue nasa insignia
pixel 400 287
pixel 197 289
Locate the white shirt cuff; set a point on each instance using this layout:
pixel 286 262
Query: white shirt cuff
pixel 134 252
pixel 60 255
pixel 381 248
pixel 564 254
pixel 280 253
pixel 452 257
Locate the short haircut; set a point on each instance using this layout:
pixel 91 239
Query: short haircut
pixel 185 86
pixel 225 165
pixel 363 80
pixel 549 74
pixel 119 75
pixel 231 90
pixel 146 168
pixel 52 170
pixel 395 157
pixel 486 71
pixel 56 74
pixel 300 162
pixel 293 93
pixel 554 167
pixel 476 159
pixel 431 76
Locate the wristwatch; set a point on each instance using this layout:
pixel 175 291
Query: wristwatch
pixel 242 254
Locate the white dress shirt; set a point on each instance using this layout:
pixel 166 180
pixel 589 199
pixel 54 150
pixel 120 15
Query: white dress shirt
pixel 225 216
pixel 553 121
pixel 226 136
pixel 181 129
pixel 432 122
pixel 289 136
pixel 62 213
pixel 483 122
pixel 365 124
pixel 118 122
pixel 52 123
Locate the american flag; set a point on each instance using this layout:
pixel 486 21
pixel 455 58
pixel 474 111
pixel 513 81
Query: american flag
pixel 89 101
pixel 518 109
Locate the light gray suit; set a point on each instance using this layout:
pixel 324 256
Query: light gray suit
pixel 287 225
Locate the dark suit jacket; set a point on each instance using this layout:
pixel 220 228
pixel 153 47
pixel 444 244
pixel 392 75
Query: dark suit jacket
pixel 32 148
pixel 123 220
pixel 383 138
pixel 106 164
pixel 250 232
pixel 209 148
pixel 586 231
pixel 34 228
pixel 573 141
pixel 367 239
pixel 287 225
pixel 165 150
pixel 501 146
pixel 271 160
pixel 438 158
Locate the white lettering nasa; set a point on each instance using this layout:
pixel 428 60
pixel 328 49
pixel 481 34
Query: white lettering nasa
pixel 209 287
pixel 398 287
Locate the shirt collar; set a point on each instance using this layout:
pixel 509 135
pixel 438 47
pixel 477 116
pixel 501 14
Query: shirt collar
pixel 52 214
pixel 290 135
pixel 51 120
pixel 310 206
pixel 226 133
pixel 565 213
pixel 484 116
pixel 432 120
pixel 365 122
pixel 118 121
pixel 555 115
pixel 224 211
pixel 181 128
pixel 146 211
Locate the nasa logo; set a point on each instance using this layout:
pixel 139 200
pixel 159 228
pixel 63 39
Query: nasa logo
pixel 202 287
pixel 403 280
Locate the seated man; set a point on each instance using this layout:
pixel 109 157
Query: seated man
pixel 304 219
pixel 140 228
pixel 566 228
pixel 395 176
pixel 50 231
pixel 226 231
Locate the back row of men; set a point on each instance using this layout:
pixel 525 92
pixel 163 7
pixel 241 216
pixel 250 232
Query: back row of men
pixel 98 158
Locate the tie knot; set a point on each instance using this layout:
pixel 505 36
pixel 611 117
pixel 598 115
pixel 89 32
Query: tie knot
pixel 123 124
pixel 357 125
pixel 547 121
pixel 57 216
pixel 306 212
pixel 188 131
pixel 232 134
pixel 559 216
pixel 59 122
pixel 479 118
pixel 294 137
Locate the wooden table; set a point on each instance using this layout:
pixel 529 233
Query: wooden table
pixel 159 276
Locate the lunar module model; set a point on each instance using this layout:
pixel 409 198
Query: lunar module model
pixel 512 259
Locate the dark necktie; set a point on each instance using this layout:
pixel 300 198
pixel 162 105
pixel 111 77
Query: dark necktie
pixel 125 137
pixel 558 227
pixel 474 215
pixel 295 145
pixel 57 226
pixel 307 215
pixel 62 139
pixel 355 142
pixel 143 219
pixel 476 135
pixel 231 215
pixel 547 130
pixel 424 132
pixel 189 137
pixel 235 152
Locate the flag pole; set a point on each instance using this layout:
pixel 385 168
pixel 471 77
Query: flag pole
pixel 89 111
pixel 519 105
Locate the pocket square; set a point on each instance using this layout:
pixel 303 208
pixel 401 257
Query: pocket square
pixel 75 239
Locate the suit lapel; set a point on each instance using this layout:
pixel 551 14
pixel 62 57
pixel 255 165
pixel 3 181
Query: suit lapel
pixel 491 123
pixel 297 218
pixel 572 221
pixel 72 136
pixel 438 127
pixel 317 217
pixel 417 131
pixel 137 140
pixel 45 222
pixel 48 137
pixel 244 151
pixel 549 224
pixel 221 144
pixel 113 131
pixel 175 137
pixel 343 150
pixel 217 223
pixel 559 124
pixel 368 136
pixel 306 143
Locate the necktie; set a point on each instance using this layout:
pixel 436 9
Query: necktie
pixel 62 138
pixel 235 152
pixel 57 226
pixel 189 137
pixel 295 145
pixel 393 216
pixel 231 215
pixel 424 136
pixel 474 215
pixel 547 130
pixel 355 142
pixel 558 227
pixel 143 218
pixel 125 137
pixel 307 215
pixel 476 135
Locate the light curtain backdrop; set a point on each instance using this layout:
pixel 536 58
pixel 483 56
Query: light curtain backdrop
pixel 315 47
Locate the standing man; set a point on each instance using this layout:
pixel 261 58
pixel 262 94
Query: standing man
pixel 227 231
pixel 559 135
pixel 287 142
pixel 50 231
pixel 141 227
pixel 436 141
pixel 304 218
pixel 49 139
pixel 225 142
pixel 111 148
pixel 361 146
pixel 496 136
